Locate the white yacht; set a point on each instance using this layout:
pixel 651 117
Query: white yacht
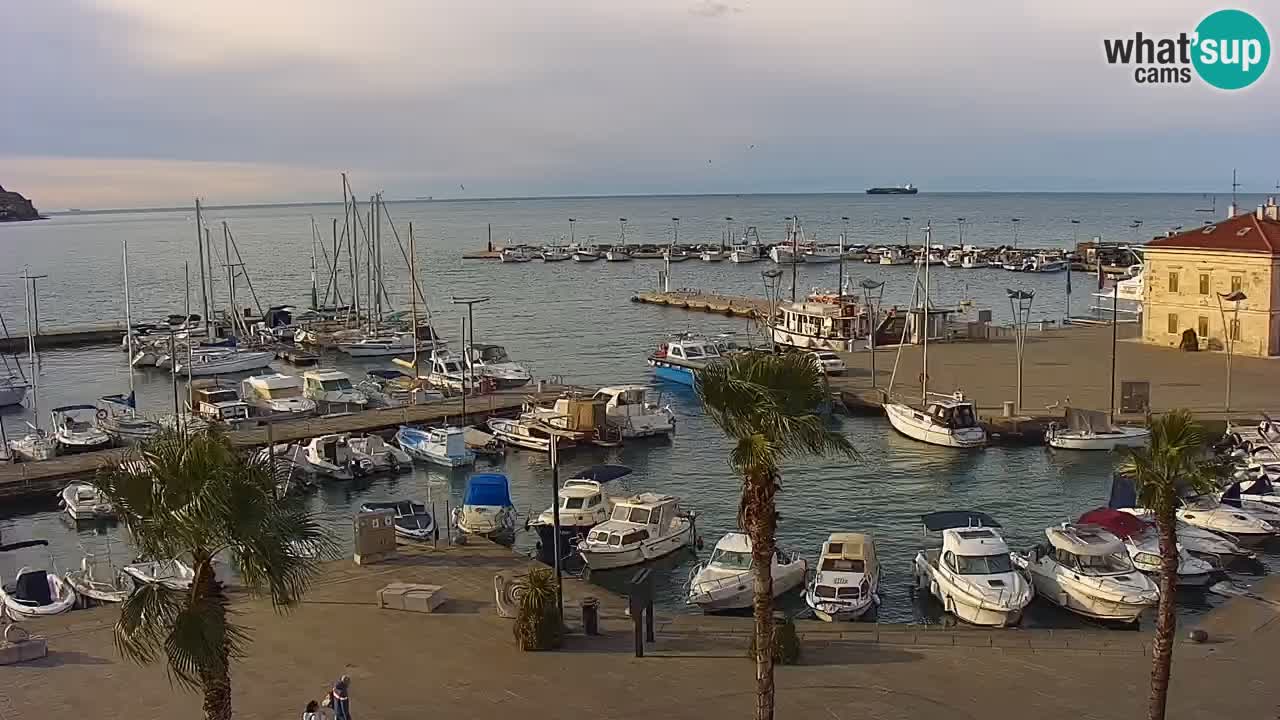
pixel 492 361
pixel 223 361
pixel 380 345
pixel 487 509
pixel 627 407
pixel 332 389
pixel 277 394
pixel 972 574
pixel 950 421
pixel 82 501
pixel 583 505
pixel 1092 430
pixel 712 255
pixel 374 454
pixel 530 434
pixel 36 593
pixel 440 446
pixel 832 323
pixel 846 584
pixel 1087 570
pixel 1210 514
pixel 1142 542
pixel 725 582
pixel 897 256
pixel 75 429
pixel 642 527
pixel 329 456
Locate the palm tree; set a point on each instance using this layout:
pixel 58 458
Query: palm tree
pixel 196 498
pixel 1173 463
pixel 767 405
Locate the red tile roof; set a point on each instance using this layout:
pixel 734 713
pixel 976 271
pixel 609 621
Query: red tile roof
pixel 1243 233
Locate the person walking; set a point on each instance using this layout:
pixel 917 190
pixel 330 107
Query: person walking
pixel 312 712
pixel 341 695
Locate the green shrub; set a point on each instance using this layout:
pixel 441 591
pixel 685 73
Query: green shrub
pixel 538 624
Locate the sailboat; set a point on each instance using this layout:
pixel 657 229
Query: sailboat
pixel 946 420
pixel 117 414
pixel 35 445
pixel 13 384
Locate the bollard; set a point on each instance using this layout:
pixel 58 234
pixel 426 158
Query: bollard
pixel 590 616
pixel 640 599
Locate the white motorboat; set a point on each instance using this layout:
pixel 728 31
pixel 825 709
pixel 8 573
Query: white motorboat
pixel 329 456
pixel 412 519
pixel 332 389
pixel 1204 544
pixel 35 446
pixel 217 401
pixel 1142 542
pixel 13 390
pixel 529 434
pixel 277 394
pixel 173 574
pixel 88 583
pixel 1210 514
pixel 953 258
pixel 785 255
pixel 374 454
pixel 492 361
pixel 1045 262
pixel 487 509
pixel 1092 430
pixel 555 254
pixel 393 388
pixel 1087 570
pixel 449 371
pixel 118 418
pixel 75 429
pixel 949 421
pixel 627 407
pixel 972 574
pixel 82 501
pixel 821 254
pixel 1249 493
pixel 973 261
pixel 642 527
pixel 617 254
pixel 381 345
pixel 36 593
pixel 725 582
pixel 223 362
pixel 897 256
pixel 676 255
pixel 678 358
pixel 514 255
pixel 583 505
pixel 846 584
pixel 585 255
pixel 445 446
pixel 712 255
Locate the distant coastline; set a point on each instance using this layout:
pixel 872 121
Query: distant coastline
pixel 16 208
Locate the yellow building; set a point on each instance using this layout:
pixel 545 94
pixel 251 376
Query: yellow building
pixel 1186 276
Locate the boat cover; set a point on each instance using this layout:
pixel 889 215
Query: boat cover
pixel 1094 421
pixel 33 588
pixel 402 507
pixel 1260 486
pixel 386 374
pixel 602 473
pixel 947 519
pixel 1120 524
pixel 488 489
pixel 1088 540
pixel 1123 493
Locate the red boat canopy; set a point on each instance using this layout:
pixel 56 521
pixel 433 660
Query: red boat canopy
pixel 1120 524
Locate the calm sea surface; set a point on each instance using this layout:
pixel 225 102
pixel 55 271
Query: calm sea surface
pixel 576 321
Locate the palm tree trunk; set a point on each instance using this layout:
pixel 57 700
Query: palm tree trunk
pixel 1166 619
pixel 215 680
pixel 759 520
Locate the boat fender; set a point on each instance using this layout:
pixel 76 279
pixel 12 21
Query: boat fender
pixel 933 588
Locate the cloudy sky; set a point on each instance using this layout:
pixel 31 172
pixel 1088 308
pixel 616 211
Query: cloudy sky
pixel 123 103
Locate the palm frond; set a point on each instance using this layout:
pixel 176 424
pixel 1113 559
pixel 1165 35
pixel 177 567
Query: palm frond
pixel 145 617
pixel 1172 464
pixel 203 640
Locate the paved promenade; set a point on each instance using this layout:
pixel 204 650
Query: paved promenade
pixel 462 663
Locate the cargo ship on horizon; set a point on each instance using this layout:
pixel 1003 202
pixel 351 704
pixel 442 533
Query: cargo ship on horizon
pixel 907 189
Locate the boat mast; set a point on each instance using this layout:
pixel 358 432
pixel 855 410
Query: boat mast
pixel 204 293
pixel 28 281
pixel 924 374
pixel 413 300
pixel 128 318
pixel 795 253
pixel 315 294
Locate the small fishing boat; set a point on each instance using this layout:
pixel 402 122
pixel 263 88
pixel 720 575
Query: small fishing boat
pixel 585 255
pixel 329 456
pixel 646 252
pixel 89 584
pixel 35 446
pixel 529 434
pixel 972 574
pixel 1087 570
pixel 749 250
pixel 514 255
pixel 555 254
pixel 173 574
pixel 897 256
pixel 493 362
pixel 82 501
pixel 277 394
pixel 36 593
pixel 725 582
pixel 224 362
pixel 821 254
pixel 118 418
pixel 449 371
pixel 676 255
pixel 974 261
pixel 627 408
pixel 412 519
pixel 642 527
pixel 332 389
pixel 393 388
pixel 949 421
pixel 1092 430
pixel 583 505
pixel 376 456
pixel 1045 262
pixel 217 401
pixel 785 255
pixel 487 509
pixel 1143 546
pixel 678 358
pixel 711 255
pixel 953 258
pixel 847 582
pixel 75 429
pixel 440 446
pixel 617 254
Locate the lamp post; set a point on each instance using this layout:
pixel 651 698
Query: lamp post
pixel 1075 241
pixel 728 232
pixel 468 345
pixel 795 252
pixel 844 238
pixel 960 231
pixel 771 283
pixel 572 238
pixel 873 293
pixel 906 230
pixel 1020 303
pixel 1229 331
pixel 1015 222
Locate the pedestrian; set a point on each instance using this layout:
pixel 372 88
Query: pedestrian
pixel 312 712
pixel 341 695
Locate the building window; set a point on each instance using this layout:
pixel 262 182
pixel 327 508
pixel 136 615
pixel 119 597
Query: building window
pixel 1173 323
pixel 1173 281
pixel 1237 282
pixel 1204 283
pixel 1235 330
pixel 1203 326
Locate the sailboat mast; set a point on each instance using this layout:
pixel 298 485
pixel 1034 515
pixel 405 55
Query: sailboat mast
pixel 413 300
pixel 31 347
pixel 315 293
pixel 204 293
pixel 128 317
pixel 231 283
pixel 795 253
pixel 924 375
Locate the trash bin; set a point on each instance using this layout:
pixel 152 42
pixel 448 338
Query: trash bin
pixel 591 616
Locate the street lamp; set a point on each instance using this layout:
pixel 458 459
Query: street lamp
pixel 771 286
pixel 960 230
pixel 873 293
pixel 1230 331
pixel 728 231
pixel 468 345
pixel 572 238
pixel 1015 222
pixel 906 230
pixel 1020 304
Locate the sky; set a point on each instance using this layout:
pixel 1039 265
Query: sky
pixel 136 103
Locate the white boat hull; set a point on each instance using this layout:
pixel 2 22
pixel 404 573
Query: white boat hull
pixel 917 426
pixel 782 336
pixel 966 606
pixel 1121 437
pixel 64 598
pixel 600 559
pixel 738 592
pixel 234 363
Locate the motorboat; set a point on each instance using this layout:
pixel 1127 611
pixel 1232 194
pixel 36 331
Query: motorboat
pixel 35 446
pixel 555 254
pixel 1092 430
pixel 173 574
pixel 529 434
pixel 374 454
pixel 393 388
pixel 953 258
pixel 13 390
pixel 642 527
pixel 628 408
pixel 381 345
pixel 680 357
pixel 846 582
pixel 584 255
pixel 277 394
pixel 1251 493
pixel 712 255
pixel 617 254
pixel 749 250
pixel 75 429
pixel 217 401
pixel 332 389
pixel 785 255
pixel 514 255
pixel 82 501
pixel 411 519
pixel 1210 514
pixel 445 446
pixel 492 361
pixel 1217 548
pixel 972 574
pixel 855 253
pixel 573 419
pixel 449 371
pixel 88 583
pixel 821 254
pixel 487 509
pixel 1085 569
pixel 329 456
pixel 223 362
pixel 932 256
pixel 583 505
pixel 949 421
pixel 822 322
pixel 36 593
pixel 646 252
pixel 897 256
pixel 1143 545
pixel 725 582
pixel 118 418
pixel 1045 262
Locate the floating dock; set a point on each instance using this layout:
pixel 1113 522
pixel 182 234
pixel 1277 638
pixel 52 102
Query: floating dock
pixel 698 301
pixel 74 337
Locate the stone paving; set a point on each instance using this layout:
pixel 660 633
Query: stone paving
pixel 462 662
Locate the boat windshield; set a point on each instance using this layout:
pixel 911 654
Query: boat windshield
pixel 1104 564
pixel 983 564
pixel 284 393
pixel 220 396
pixel 335 385
pixel 574 503
pixel 693 351
pixel 637 515
pixel 731 559
pixel 843 565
